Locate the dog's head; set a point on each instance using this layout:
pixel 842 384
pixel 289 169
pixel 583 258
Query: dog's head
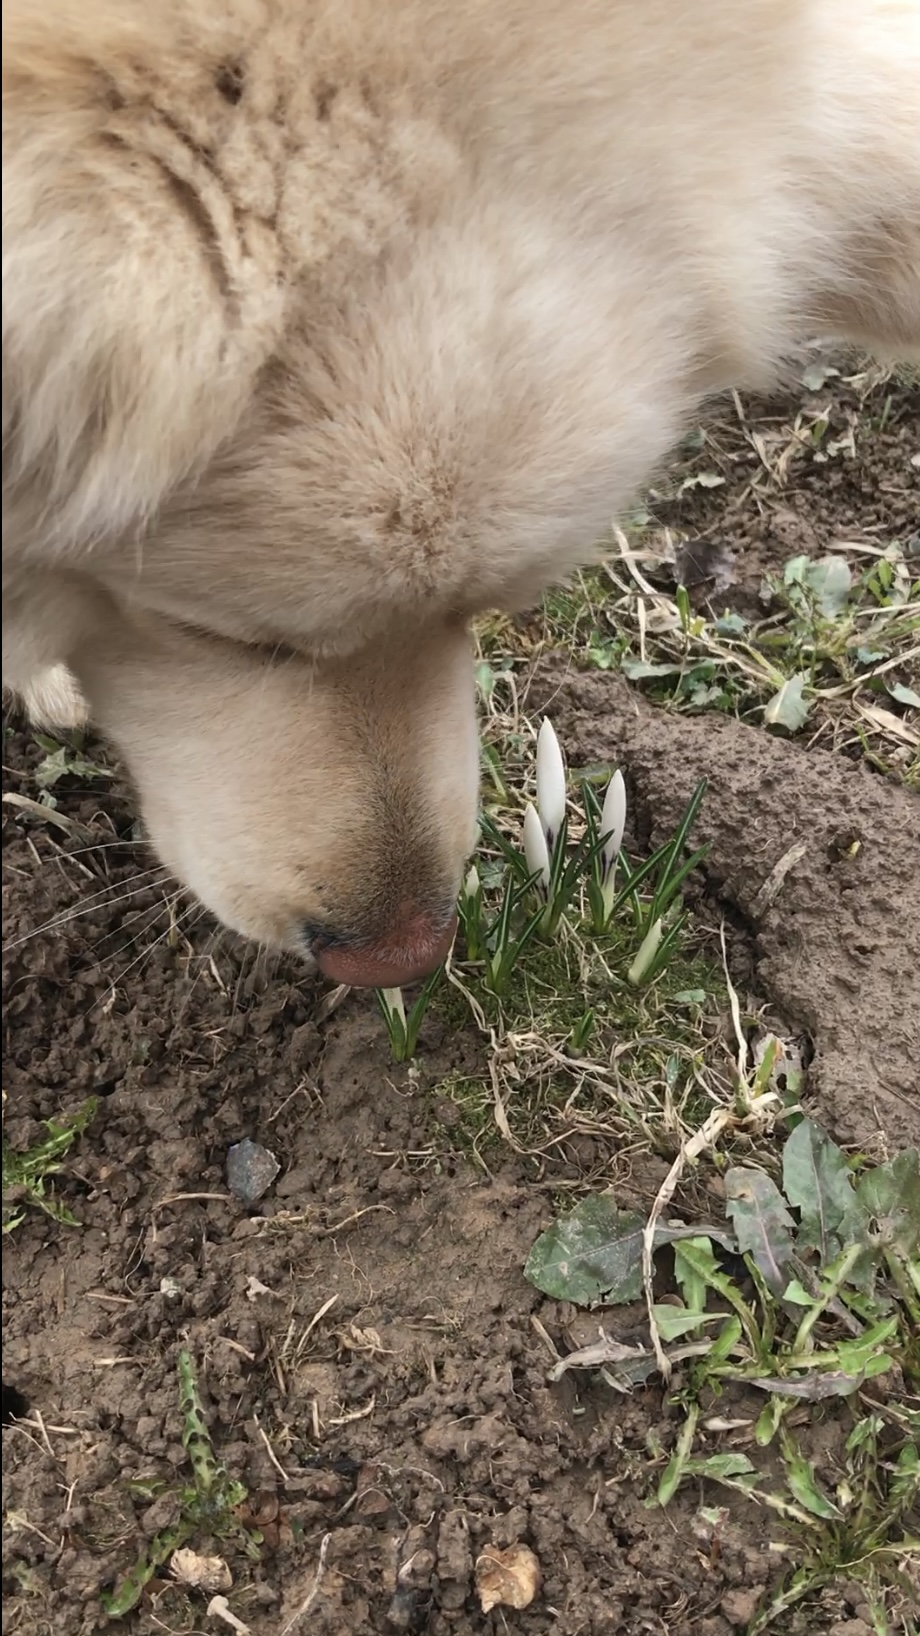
pixel 325 806
pixel 288 398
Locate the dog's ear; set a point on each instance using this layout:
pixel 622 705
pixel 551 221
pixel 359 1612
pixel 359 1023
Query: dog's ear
pixel 137 306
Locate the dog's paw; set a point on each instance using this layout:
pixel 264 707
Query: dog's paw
pixel 53 699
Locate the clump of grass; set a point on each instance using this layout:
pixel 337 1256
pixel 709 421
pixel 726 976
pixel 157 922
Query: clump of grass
pixel 209 1505
pixel 581 999
pixel 28 1177
pixel 867 1533
pixel 498 943
pixel 838 647
pixel 555 884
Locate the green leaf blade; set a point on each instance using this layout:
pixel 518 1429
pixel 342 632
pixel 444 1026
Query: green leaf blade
pixel 763 1225
pixel 816 1180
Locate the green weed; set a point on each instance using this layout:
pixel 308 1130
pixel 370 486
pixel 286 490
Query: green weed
pixel 809 1291
pixel 209 1505
pixel 27 1176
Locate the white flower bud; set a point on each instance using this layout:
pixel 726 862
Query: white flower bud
pixel 613 820
pixel 550 782
pixel 536 851
pixel 471 884
pixel 393 1001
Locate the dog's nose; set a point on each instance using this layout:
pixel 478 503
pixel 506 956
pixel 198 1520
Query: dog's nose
pixel 393 962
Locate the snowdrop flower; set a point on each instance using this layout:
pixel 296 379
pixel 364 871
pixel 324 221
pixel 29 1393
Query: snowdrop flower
pixel 613 821
pixel 647 952
pixel 470 911
pixel 536 851
pixel 550 782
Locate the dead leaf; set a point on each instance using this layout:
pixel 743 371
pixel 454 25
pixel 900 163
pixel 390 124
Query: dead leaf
pixel 888 722
pixel 774 880
pixel 508 1579
pixel 330 1002
pixel 200 1573
pixel 261 1509
pixel 604 1350
pixel 811 1388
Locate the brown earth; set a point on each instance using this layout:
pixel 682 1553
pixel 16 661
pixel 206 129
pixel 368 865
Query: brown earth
pixel 364 1336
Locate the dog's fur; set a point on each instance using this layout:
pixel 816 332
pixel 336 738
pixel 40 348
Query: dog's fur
pixel 330 323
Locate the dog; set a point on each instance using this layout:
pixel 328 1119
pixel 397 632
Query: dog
pixel 330 324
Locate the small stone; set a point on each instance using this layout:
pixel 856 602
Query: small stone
pixel 251 1169
pixel 255 1288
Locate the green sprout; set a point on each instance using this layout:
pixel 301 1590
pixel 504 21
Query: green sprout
pixel 210 1504
pixel 26 1175
pixel 470 912
pixel 658 918
pixel 581 1032
pixel 403 1027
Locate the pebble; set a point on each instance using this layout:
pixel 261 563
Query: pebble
pixel 251 1169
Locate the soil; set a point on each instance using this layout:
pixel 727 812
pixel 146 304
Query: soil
pixel 364 1337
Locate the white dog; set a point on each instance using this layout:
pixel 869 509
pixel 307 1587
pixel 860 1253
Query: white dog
pixel 330 323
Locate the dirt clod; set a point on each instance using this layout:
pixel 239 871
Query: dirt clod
pixel 509 1579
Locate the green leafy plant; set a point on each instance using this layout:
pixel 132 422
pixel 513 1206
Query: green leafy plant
pixel 851 1259
pixel 63 761
pixel 809 1291
pixel 584 879
pixel 26 1176
pixel 504 938
pixel 664 873
pixel 867 1529
pixel 210 1504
